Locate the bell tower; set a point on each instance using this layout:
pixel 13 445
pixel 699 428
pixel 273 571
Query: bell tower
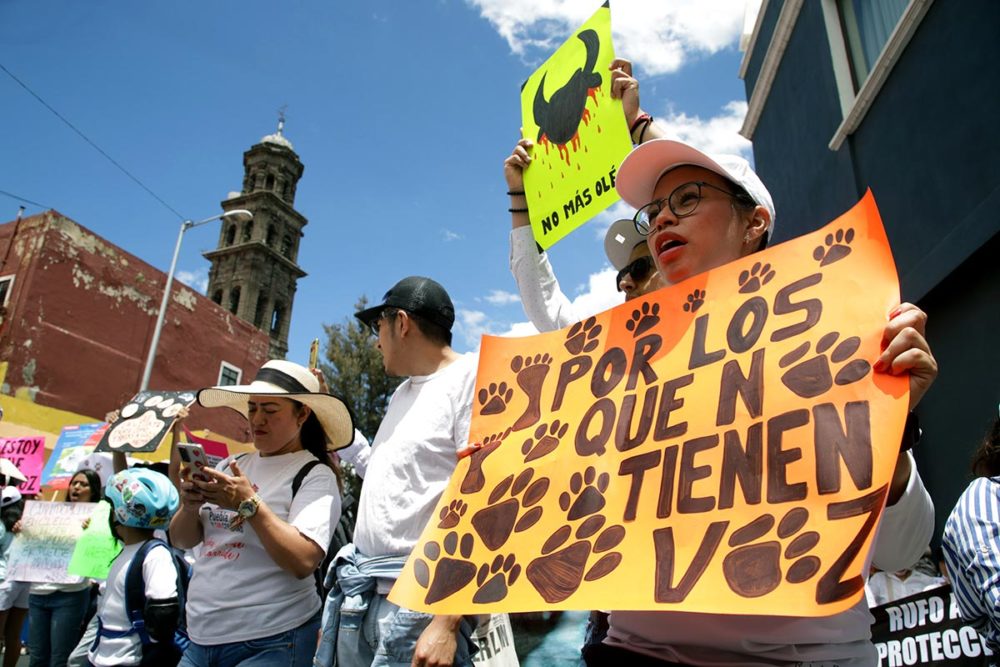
pixel 254 269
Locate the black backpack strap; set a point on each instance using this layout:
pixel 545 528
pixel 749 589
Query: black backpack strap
pixel 135 588
pixel 300 476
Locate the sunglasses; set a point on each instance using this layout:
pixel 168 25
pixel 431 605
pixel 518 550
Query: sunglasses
pixel 639 270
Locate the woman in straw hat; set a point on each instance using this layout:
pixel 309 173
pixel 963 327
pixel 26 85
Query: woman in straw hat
pixel 252 599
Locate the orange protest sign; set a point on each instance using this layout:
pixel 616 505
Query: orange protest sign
pixel 720 446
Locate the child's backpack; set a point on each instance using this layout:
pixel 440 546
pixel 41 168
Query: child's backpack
pixel 166 653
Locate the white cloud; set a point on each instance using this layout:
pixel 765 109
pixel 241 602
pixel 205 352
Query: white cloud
pixel 196 280
pixel 499 297
pixel 658 36
pixel 718 134
pixel 470 325
pixel 448 235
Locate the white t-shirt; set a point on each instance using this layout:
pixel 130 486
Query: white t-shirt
pixel 160 578
pixel 357 453
pixel 238 592
pixel 720 640
pixel 413 456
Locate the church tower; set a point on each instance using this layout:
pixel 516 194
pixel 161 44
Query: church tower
pixel 254 270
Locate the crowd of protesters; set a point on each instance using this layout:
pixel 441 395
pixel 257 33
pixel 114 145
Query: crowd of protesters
pixel 257 527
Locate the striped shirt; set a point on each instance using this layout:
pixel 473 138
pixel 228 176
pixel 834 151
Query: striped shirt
pixel 971 545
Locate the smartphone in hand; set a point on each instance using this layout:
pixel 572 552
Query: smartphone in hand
pixel 193 455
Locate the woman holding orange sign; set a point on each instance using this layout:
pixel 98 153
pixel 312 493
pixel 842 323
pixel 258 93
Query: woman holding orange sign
pixel 699 212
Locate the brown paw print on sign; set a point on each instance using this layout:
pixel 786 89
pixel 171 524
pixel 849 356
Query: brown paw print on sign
pixel 475 480
pixel 452 514
pixel 560 570
pixel 450 574
pixel 694 301
pixel 583 336
pixel 503 514
pixel 495 579
pixel 531 374
pixel 547 437
pixel 753 570
pixel 643 319
pixel 813 377
pixel 758 276
pixel 835 247
pixel 495 398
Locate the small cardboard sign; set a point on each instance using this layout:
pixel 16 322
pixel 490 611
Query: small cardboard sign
pixel 41 552
pixel 144 421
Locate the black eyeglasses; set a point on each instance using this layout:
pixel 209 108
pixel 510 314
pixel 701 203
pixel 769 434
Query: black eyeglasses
pixel 387 313
pixel 682 202
pixel 639 270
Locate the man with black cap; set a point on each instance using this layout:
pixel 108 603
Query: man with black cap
pixel 412 458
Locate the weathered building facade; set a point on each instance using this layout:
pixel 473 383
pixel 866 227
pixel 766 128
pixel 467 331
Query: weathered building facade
pixel 77 318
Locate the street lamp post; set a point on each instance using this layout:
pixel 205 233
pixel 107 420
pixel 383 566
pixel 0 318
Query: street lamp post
pixel 238 215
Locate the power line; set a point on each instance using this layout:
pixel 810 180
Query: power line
pixel 26 201
pixel 87 139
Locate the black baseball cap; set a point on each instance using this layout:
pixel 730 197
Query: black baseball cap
pixel 415 294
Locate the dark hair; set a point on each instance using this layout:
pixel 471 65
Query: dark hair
pixel 432 331
pixel 12 514
pixel 94 481
pixel 313 439
pixel 744 203
pixel 986 460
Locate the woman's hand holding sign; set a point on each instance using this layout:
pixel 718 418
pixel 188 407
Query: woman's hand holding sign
pixel 905 350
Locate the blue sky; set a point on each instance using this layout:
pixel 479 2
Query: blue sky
pixel 402 113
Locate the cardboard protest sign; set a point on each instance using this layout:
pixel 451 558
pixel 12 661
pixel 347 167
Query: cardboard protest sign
pixel 75 443
pixel 28 454
pixel 144 421
pixel 579 132
pixel 96 548
pixel 926 629
pixel 720 446
pixel 42 550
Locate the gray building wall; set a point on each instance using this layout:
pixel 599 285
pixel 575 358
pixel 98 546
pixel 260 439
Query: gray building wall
pixel 929 149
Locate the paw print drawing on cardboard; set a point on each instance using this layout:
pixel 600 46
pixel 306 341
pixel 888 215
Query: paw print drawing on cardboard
pixel 494 398
pixel 753 570
pixel 758 276
pixel 494 579
pixel 560 570
pixel 547 437
pixel 531 374
pixel 450 574
pixel 694 301
pixel 503 514
pixel 475 480
pixel 452 514
pixel 583 336
pixel 812 377
pixel 835 247
pixel 643 319
pixel 585 495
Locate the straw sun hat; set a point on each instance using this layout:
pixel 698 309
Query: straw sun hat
pixel 288 380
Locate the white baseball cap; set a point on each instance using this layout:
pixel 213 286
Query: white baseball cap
pixel 642 169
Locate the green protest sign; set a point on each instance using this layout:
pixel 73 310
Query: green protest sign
pixel 96 548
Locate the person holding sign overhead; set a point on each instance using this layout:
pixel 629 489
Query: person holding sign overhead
pixel 264 521
pixel 545 304
pixel 699 212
